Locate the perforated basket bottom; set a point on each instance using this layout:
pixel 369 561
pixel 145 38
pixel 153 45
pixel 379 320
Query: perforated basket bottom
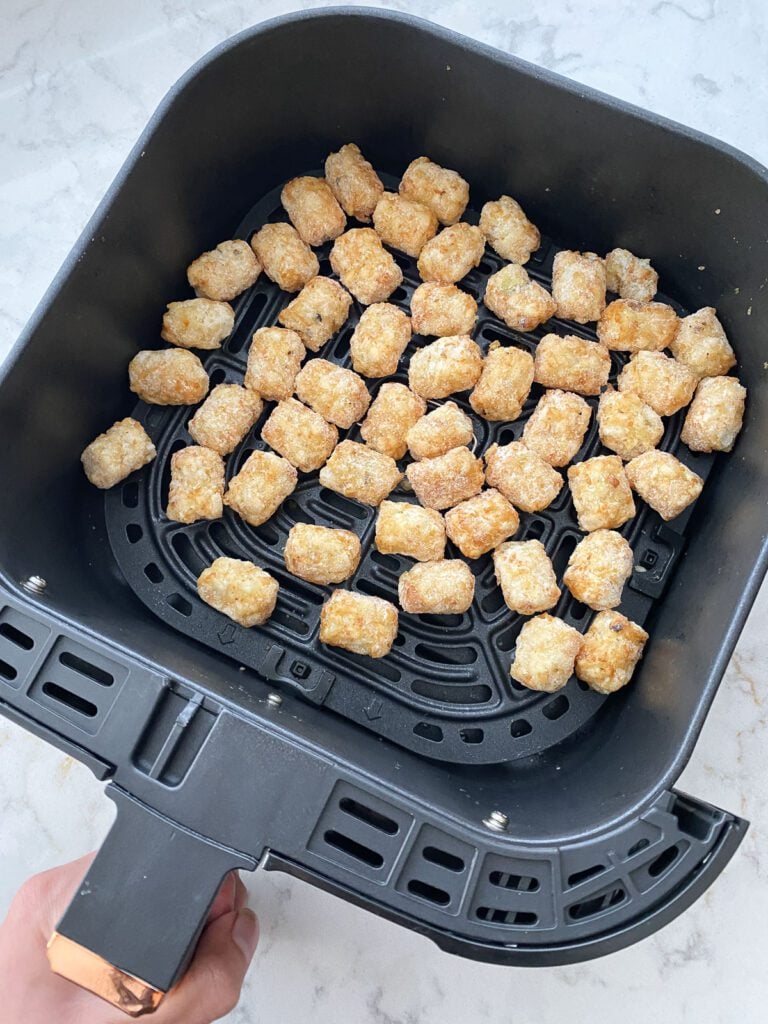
pixel 445 689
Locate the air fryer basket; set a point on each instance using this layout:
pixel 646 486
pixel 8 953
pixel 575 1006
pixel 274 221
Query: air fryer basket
pixel 214 760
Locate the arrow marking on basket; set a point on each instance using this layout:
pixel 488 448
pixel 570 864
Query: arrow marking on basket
pixel 227 634
pixel 373 710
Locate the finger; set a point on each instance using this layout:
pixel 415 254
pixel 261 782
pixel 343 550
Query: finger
pixel 224 900
pixel 44 897
pixel 241 893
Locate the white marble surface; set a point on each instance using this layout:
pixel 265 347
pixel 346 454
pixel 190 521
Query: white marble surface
pixel 78 81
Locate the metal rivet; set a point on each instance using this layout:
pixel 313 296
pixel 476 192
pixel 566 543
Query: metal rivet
pixel 497 821
pixel 274 700
pixel 34 584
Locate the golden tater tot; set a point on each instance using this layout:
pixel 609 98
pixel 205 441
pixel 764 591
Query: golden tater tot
pixel 659 381
pixel 517 300
pixel 599 567
pixel 171 376
pixel 522 476
pixel 312 209
pixel 354 182
pixel 664 482
pixel 403 223
pixel 287 261
pixel 451 255
pixel 360 472
pixel 197 323
pixel 627 425
pixel 321 555
pixel 406 529
pixel 365 267
pixel 263 483
pixel 319 310
pixel 610 650
pixel 115 454
pixel 274 359
pixel 339 395
pixel 440 430
pixel 480 524
pixel 545 653
pixel 526 577
pixel 445 587
pixel 358 623
pixel 392 413
pixel 442 310
pixel 504 384
pixel 224 272
pixel 445 366
pixel 578 286
pixel 508 230
pixel 225 417
pixel 557 427
pixel 380 338
pixel 572 364
pixel 701 344
pixel 716 415
pixel 601 493
pixel 445 481
pixel 300 435
pixel 239 589
pixel 197 485
pixel 629 326
pixel 630 276
pixel 442 190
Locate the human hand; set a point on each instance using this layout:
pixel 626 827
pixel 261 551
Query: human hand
pixel 32 994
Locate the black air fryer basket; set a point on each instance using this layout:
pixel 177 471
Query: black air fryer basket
pixel 506 825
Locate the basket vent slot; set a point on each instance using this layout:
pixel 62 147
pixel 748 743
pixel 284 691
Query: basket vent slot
pixel 443 859
pixel 71 700
pixel 605 900
pixel 556 708
pixel 520 728
pixel 368 815
pixel 581 876
pixel 474 735
pixel 518 883
pixel 26 643
pixel 664 861
pixel 641 844
pixel 495 915
pixel 428 892
pixel 353 849
pixel 7 671
pixel 428 731
pixel 86 668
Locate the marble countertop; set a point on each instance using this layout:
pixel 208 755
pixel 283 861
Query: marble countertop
pixel 77 85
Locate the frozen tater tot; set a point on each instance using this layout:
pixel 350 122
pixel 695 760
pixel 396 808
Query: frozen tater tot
pixel 319 310
pixel 445 366
pixel 380 338
pixel 197 323
pixel 522 476
pixel 359 623
pixel 225 417
pixel 629 326
pixel 446 480
pixel 403 223
pixel 339 395
pixel 365 267
pixel 599 567
pixel 716 415
pixel 361 473
pixel 610 651
pixel 321 555
pixel 517 300
pixel 115 454
pixel 627 425
pixel 480 524
pixel 442 309
pixel 601 493
pixel 239 589
pixel 557 427
pixel 197 485
pixel 393 412
pixel 664 482
pixel 504 384
pixel 312 209
pixel 545 653
pixel 444 191
pixel 354 182
pixel 286 260
pixel 701 344
pixel 578 286
pixel 526 577
pixel 411 530
pixel 659 380
pixel 445 587
pixel 630 276
pixel 263 483
pixel 300 435
pixel 224 272
pixel 440 430
pixel 274 359
pixel 172 376
pixel 572 364
pixel 451 255
pixel 508 230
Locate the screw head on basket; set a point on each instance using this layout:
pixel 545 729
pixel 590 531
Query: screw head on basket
pixel 34 584
pixel 497 821
pixel 274 700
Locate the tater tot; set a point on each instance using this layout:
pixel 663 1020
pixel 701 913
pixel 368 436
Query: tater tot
pixel 380 338
pixel 522 476
pixel 197 485
pixel 716 415
pixel 263 483
pixel 508 230
pixel 517 300
pixel 630 326
pixel 557 427
pixel 442 309
pixel 545 653
pixel 312 209
pixel 444 191
pixel 197 323
pixel 445 481
pixel 365 267
pixel 504 384
pixel 701 344
pixel 445 366
pixel 319 310
pixel 392 413
pixel 339 395
pixel 354 182
pixel 664 482
pixel 601 493
pixel 526 577
pixel 359 623
pixel 300 435
pixel 286 260
pixel 360 472
pixel 480 524
pixel 406 529
pixel 115 454
pixel 321 555
pixel 572 364
pixel 225 417
pixel 274 359
pixel 403 223
pixel 240 590
pixel 578 286
pixel 610 650
pixel 440 430
pixel 451 255
pixel 445 587
pixel 599 567
pixel 630 276
pixel 659 380
pixel 171 376
pixel 224 272
pixel 627 425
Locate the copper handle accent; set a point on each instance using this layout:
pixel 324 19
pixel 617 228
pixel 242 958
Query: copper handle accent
pixel 74 962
